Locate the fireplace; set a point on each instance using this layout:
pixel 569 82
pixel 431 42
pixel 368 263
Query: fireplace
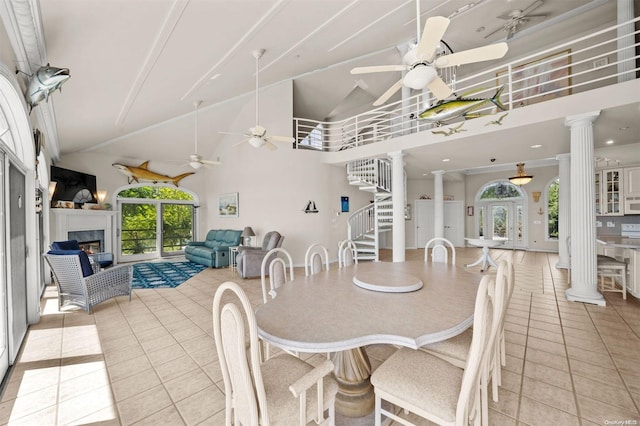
pixel 93 239
pixel 92 228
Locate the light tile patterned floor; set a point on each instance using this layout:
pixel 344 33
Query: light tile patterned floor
pixel 152 360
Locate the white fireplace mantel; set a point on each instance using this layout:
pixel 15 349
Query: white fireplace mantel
pixel 64 221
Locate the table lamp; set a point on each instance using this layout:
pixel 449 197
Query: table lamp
pixel 247 233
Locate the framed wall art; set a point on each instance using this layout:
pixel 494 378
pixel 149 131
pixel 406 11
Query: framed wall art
pixel 228 205
pixel 538 80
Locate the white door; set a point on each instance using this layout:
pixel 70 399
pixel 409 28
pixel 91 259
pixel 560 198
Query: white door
pixel 453 222
pixel 4 331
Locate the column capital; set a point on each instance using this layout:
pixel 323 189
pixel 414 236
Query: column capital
pixel 394 154
pixel 581 119
pixel 561 157
pixel 438 172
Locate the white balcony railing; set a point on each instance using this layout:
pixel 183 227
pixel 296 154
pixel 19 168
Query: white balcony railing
pixel 600 59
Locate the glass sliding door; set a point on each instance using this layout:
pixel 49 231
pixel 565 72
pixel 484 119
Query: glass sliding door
pixel 177 227
pixel 138 231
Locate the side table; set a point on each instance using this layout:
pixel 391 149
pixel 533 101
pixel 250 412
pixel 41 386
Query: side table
pixel 233 252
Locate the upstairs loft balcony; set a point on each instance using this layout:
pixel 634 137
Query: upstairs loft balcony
pixel 596 61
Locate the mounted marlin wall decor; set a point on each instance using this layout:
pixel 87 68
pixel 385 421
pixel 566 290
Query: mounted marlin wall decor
pixel 43 82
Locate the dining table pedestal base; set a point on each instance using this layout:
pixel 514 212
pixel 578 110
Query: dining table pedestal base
pixel 352 371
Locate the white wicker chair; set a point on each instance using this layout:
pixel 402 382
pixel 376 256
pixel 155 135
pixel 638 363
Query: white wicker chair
pixel 87 292
pixel 275 392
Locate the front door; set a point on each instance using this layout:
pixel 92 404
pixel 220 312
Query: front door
pixel 504 220
pixel 4 331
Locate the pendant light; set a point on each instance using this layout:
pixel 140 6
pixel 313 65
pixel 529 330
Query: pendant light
pixel 521 177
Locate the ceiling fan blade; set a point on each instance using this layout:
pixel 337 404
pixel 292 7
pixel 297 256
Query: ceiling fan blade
pixel 270 146
pixel 390 92
pixel 439 88
pixel 532 7
pixel 379 68
pixel 287 139
pixel 485 53
pixel 241 142
pixel 493 32
pixel 434 29
pixel 211 162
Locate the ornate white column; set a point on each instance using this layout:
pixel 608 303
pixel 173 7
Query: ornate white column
pixel 397 190
pixel 626 41
pixel 438 204
pixel 584 285
pixel 564 211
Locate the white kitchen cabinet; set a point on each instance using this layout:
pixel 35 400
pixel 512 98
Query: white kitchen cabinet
pixel 609 191
pixel 632 190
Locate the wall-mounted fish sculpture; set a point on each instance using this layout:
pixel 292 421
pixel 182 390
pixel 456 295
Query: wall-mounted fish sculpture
pixel 45 81
pixel 460 107
pixel 142 173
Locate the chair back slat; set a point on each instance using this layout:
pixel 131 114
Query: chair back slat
pixel 347 253
pixel 440 248
pixel 277 269
pixel 314 258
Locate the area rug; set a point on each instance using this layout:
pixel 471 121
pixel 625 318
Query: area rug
pixel 163 274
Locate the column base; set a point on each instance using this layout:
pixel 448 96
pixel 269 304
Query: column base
pixel 563 265
pixel 592 298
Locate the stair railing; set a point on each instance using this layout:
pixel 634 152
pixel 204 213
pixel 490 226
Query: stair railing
pixel 361 222
pixel 374 171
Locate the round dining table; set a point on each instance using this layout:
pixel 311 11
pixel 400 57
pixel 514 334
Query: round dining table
pixel 485 258
pixel 342 310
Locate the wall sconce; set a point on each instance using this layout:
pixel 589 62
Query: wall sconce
pixel 52 188
pixel 101 195
pixel 536 196
pixel 540 211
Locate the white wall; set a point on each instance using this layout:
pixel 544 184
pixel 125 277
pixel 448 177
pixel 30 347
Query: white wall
pixel 273 186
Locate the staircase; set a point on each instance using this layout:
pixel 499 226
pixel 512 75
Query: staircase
pixel 365 225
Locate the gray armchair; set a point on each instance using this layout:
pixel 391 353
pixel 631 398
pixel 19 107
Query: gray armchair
pixel 249 259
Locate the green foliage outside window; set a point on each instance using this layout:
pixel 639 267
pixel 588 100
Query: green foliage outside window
pixel 500 191
pixel 139 220
pixel 552 209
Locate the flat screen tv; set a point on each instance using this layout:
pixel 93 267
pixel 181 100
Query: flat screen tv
pixel 73 186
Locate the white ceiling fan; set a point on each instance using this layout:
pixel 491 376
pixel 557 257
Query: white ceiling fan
pixel 421 61
pixel 195 160
pixel 257 136
pixel 517 18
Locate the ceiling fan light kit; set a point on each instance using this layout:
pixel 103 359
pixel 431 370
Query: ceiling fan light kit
pixel 419 77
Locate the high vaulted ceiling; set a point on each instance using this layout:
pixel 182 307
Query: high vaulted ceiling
pixel 137 64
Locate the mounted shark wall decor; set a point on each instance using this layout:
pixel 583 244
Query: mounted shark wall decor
pixel 43 82
pixel 143 174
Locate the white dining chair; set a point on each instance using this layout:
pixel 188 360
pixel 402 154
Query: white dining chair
pixel 314 258
pixel 347 253
pixel 432 388
pixel 278 272
pixel 440 248
pixel 276 391
pixel 456 349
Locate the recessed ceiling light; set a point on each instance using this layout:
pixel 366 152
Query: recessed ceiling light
pixel 624 128
pixel 536 146
pixel 609 142
pixel 444 160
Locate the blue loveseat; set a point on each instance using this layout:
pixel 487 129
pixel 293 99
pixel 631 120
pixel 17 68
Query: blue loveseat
pixel 214 250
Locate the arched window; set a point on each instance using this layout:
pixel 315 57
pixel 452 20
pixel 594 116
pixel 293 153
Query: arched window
pixel 551 195
pixel 155 221
pixel 501 212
